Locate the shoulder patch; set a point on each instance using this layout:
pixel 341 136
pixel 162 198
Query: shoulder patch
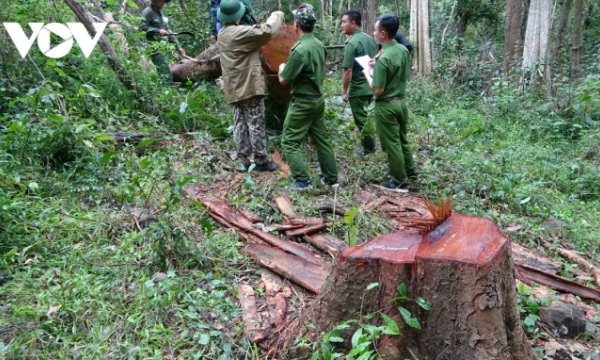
pixel 296 44
pixel 378 54
pixel 348 39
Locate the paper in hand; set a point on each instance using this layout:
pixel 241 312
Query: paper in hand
pixel 363 61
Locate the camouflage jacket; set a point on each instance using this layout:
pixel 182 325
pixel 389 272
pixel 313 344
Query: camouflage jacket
pixel 153 22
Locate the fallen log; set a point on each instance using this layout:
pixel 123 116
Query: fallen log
pixel 464 268
pixel 304 273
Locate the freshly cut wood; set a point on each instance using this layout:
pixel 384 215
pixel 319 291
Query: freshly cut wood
pixel 252 328
pixel 310 221
pixel 326 242
pixel 276 291
pixel 529 275
pixel 522 256
pixel 284 204
pixel 284 168
pixel 252 216
pixel 332 208
pixel 571 255
pixel 224 211
pixel 464 268
pixel 302 272
pixel 375 203
pixel 308 230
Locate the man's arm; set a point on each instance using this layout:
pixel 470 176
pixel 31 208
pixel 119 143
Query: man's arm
pixel 346 78
pixel 347 65
pixel 290 71
pixel 380 75
pixel 253 37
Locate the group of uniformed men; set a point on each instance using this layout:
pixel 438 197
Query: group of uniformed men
pixel 384 80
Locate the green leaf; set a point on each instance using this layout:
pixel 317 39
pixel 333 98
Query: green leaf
pixel 249 183
pixel 104 159
pixel 81 92
pixel 411 321
pixel 103 138
pixel 349 216
pixel 144 163
pixel 149 284
pixel 392 326
pixel 204 338
pixel 326 352
pixel 521 288
pixel 506 186
pixel 356 337
pixel 586 98
pixel 147 142
pixel 55 117
pixel 533 306
pixel 132 4
pixel 373 285
pixel 530 320
pixel 206 227
pixel 11 254
pixel 403 293
pixel 184 181
pixel 424 304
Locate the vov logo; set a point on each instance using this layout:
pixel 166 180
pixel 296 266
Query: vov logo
pixel 66 32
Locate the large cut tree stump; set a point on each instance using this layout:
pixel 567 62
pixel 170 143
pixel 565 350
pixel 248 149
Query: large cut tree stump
pixel 464 268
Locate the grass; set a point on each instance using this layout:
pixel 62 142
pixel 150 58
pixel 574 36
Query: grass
pixel 80 274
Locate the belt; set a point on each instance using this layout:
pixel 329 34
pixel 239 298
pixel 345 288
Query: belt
pixel 388 99
pixel 307 96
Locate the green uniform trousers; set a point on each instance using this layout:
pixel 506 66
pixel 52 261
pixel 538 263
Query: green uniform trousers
pixel 359 106
pixel 162 68
pixel 304 117
pixel 391 119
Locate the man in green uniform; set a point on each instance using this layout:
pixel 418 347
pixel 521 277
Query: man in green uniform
pixel 391 69
pixel 156 27
pixel 355 86
pixel 215 25
pixel 305 70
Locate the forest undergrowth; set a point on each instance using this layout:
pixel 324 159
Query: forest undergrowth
pixel 104 257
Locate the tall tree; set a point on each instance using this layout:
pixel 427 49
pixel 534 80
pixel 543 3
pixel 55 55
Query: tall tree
pixel 562 26
pixel 577 44
pixel 369 10
pixel 537 34
pixel 512 32
pixel 419 35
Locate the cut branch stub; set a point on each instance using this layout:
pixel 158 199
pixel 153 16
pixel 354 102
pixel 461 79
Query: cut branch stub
pixel 464 268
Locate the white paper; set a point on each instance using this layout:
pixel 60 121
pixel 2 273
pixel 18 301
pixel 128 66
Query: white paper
pixel 363 61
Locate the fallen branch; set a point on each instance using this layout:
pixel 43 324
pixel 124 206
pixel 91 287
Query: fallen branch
pixel 530 274
pixel 571 255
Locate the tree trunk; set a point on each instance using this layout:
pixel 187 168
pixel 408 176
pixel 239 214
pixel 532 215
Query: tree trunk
pixel 105 45
pixel 464 268
pixel 369 10
pixel 460 33
pixel 537 35
pixel 322 3
pixel 562 27
pixel 527 6
pixel 448 24
pixel 419 35
pixel 577 44
pixel 512 32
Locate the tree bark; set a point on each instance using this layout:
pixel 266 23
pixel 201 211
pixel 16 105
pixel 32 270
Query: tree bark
pixel 419 36
pixel 463 268
pixel 562 26
pixel 577 44
pixel 105 45
pixel 460 32
pixel 369 10
pixel 512 32
pixel 537 35
pixel 448 24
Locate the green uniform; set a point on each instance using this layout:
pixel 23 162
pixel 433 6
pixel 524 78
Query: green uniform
pixel 152 23
pixel 391 72
pixel 360 94
pixel 305 69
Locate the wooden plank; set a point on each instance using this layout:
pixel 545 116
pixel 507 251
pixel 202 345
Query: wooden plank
pixel 326 242
pixel 522 256
pixel 302 272
pixel 565 285
pixel 252 328
pixel 307 230
pixel 285 206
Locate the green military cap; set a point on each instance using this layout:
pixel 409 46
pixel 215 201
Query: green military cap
pixel 305 14
pixel 230 11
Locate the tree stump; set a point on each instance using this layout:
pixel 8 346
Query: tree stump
pixel 464 268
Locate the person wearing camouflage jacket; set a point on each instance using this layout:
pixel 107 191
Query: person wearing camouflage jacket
pixel 156 26
pixel 244 81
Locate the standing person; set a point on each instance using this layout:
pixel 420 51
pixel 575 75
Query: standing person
pixel 215 25
pixel 355 86
pixel 391 69
pixel 156 27
pixel 244 81
pixel 305 69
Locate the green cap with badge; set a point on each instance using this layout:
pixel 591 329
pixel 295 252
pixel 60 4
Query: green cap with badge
pixel 230 11
pixel 305 14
